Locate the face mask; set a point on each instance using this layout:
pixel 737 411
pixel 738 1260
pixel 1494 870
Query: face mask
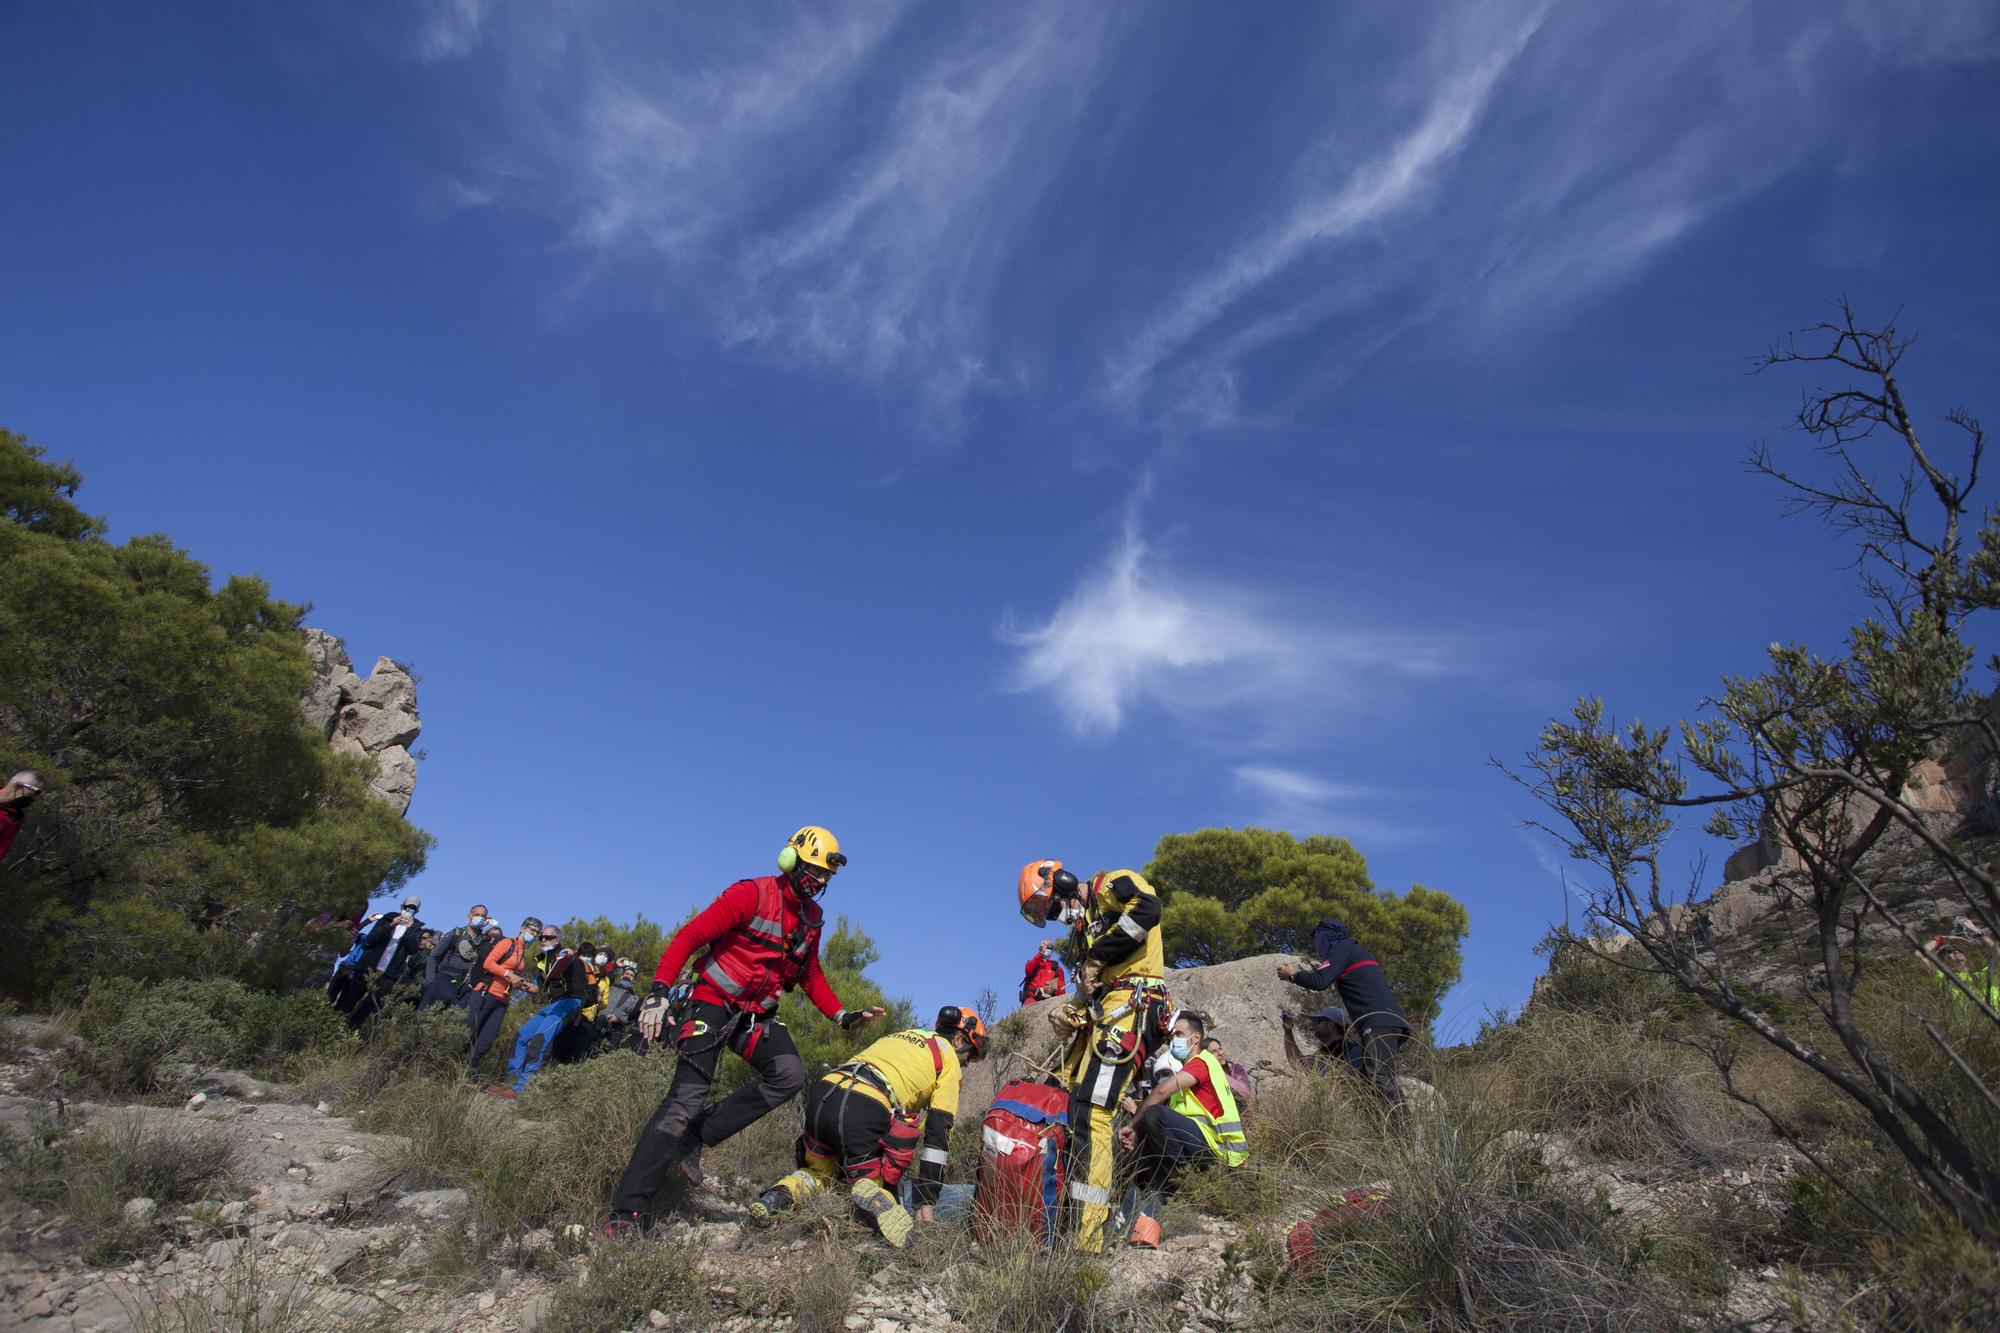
pixel 602 959
pixel 1070 912
pixel 1180 1047
pixel 548 945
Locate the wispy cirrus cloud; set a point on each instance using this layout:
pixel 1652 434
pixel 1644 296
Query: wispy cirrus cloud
pixel 1514 166
pixel 1290 798
pixel 841 188
pixel 1136 633
pixel 947 204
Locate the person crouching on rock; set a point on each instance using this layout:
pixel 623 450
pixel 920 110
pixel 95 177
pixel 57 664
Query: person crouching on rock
pixel 1376 1025
pixel 863 1119
pixel 757 940
pixel 1190 1119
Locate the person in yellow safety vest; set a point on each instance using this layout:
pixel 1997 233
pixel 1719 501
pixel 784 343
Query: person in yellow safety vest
pixel 1116 1017
pixel 862 1123
pixel 1951 959
pixel 1190 1119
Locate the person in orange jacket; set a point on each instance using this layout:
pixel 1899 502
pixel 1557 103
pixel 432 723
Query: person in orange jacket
pixel 504 968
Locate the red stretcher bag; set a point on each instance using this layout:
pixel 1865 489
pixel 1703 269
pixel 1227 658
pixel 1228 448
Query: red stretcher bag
pixel 1021 1160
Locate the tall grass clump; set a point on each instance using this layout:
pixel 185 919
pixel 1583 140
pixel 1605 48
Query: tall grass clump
pixel 1018 1286
pixel 1615 1094
pixel 621 1282
pixel 1468 1236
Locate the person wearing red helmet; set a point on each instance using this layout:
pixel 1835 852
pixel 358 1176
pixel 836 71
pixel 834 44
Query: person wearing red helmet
pixel 757 940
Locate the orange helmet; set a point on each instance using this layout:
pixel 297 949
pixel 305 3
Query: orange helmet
pixel 973 1031
pixel 1041 883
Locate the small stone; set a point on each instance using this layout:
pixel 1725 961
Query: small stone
pixel 487 1300
pixel 534 1312
pixel 887 1326
pixel 855 1322
pixel 323 1108
pixel 196 1102
pixel 140 1210
pixel 232 1213
pixel 654 1319
pixel 882 1277
pixel 279 1137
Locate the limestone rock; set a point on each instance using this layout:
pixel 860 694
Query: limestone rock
pixel 374 718
pixel 333 676
pixel 1241 999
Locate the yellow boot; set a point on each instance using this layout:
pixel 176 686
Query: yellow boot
pixel 882 1211
pixel 785 1194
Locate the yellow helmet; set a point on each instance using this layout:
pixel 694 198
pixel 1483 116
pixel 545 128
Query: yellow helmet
pixel 815 847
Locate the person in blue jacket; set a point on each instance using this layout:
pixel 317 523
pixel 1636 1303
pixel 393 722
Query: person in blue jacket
pixel 1375 1026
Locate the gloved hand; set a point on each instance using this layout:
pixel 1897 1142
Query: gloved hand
pixel 653 1014
pixel 1092 970
pixel 852 1018
pixel 1066 1019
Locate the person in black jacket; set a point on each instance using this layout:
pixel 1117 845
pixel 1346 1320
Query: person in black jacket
pixel 1375 1026
pixel 385 952
pixel 449 968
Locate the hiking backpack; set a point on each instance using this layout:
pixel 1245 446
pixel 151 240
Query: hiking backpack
pixel 1021 1157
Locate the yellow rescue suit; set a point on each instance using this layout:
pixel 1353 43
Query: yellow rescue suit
pixel 1123 974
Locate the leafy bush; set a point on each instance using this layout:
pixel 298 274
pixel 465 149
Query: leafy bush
pixel 1230 893
pixel 194 823
pixel 157 1038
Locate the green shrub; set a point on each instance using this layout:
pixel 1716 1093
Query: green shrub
pixel 87 1179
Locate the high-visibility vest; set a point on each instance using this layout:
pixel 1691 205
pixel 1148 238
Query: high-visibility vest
pixel 756 963
pixel 1105 915
pixel 1224 1133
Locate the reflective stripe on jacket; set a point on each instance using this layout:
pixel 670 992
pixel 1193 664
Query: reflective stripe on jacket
pixel 755 963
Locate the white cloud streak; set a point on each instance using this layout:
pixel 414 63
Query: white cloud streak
pixel 942 204
pixel 1547 159
pixel 1135 633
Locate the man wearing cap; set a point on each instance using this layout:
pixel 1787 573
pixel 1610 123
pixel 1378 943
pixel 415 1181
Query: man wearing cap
pixel 384 950
pixel 1374 1025
pixel 15 798
pixel 1329 1029
pixel 503 969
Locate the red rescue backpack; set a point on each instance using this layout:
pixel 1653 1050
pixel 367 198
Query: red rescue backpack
pixel 1021 1160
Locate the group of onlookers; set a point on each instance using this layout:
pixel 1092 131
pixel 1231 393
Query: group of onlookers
pixel 479 968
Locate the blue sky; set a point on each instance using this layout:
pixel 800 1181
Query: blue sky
pixel 992 432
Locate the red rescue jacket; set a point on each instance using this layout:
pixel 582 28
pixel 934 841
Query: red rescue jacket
pixel 1043 973
pixel 756 941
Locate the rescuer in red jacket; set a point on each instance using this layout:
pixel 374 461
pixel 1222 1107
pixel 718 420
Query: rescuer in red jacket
pixel 1044 975
pixel 756 941
pixel 15 798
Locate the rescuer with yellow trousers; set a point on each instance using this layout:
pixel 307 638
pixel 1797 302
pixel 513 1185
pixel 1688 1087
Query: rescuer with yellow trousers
pixel 1117 1017
pixel 866 1118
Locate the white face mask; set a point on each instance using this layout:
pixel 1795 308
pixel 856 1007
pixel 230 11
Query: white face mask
pixel 1070 912
pixel 1181 1048
pixel 602 959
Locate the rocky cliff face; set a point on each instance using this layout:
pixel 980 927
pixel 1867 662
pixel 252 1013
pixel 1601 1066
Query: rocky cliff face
pixel 375 718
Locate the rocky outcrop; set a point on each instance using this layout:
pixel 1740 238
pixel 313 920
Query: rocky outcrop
pixel 1241 1000
pixel 1956 791
pixel 375 719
